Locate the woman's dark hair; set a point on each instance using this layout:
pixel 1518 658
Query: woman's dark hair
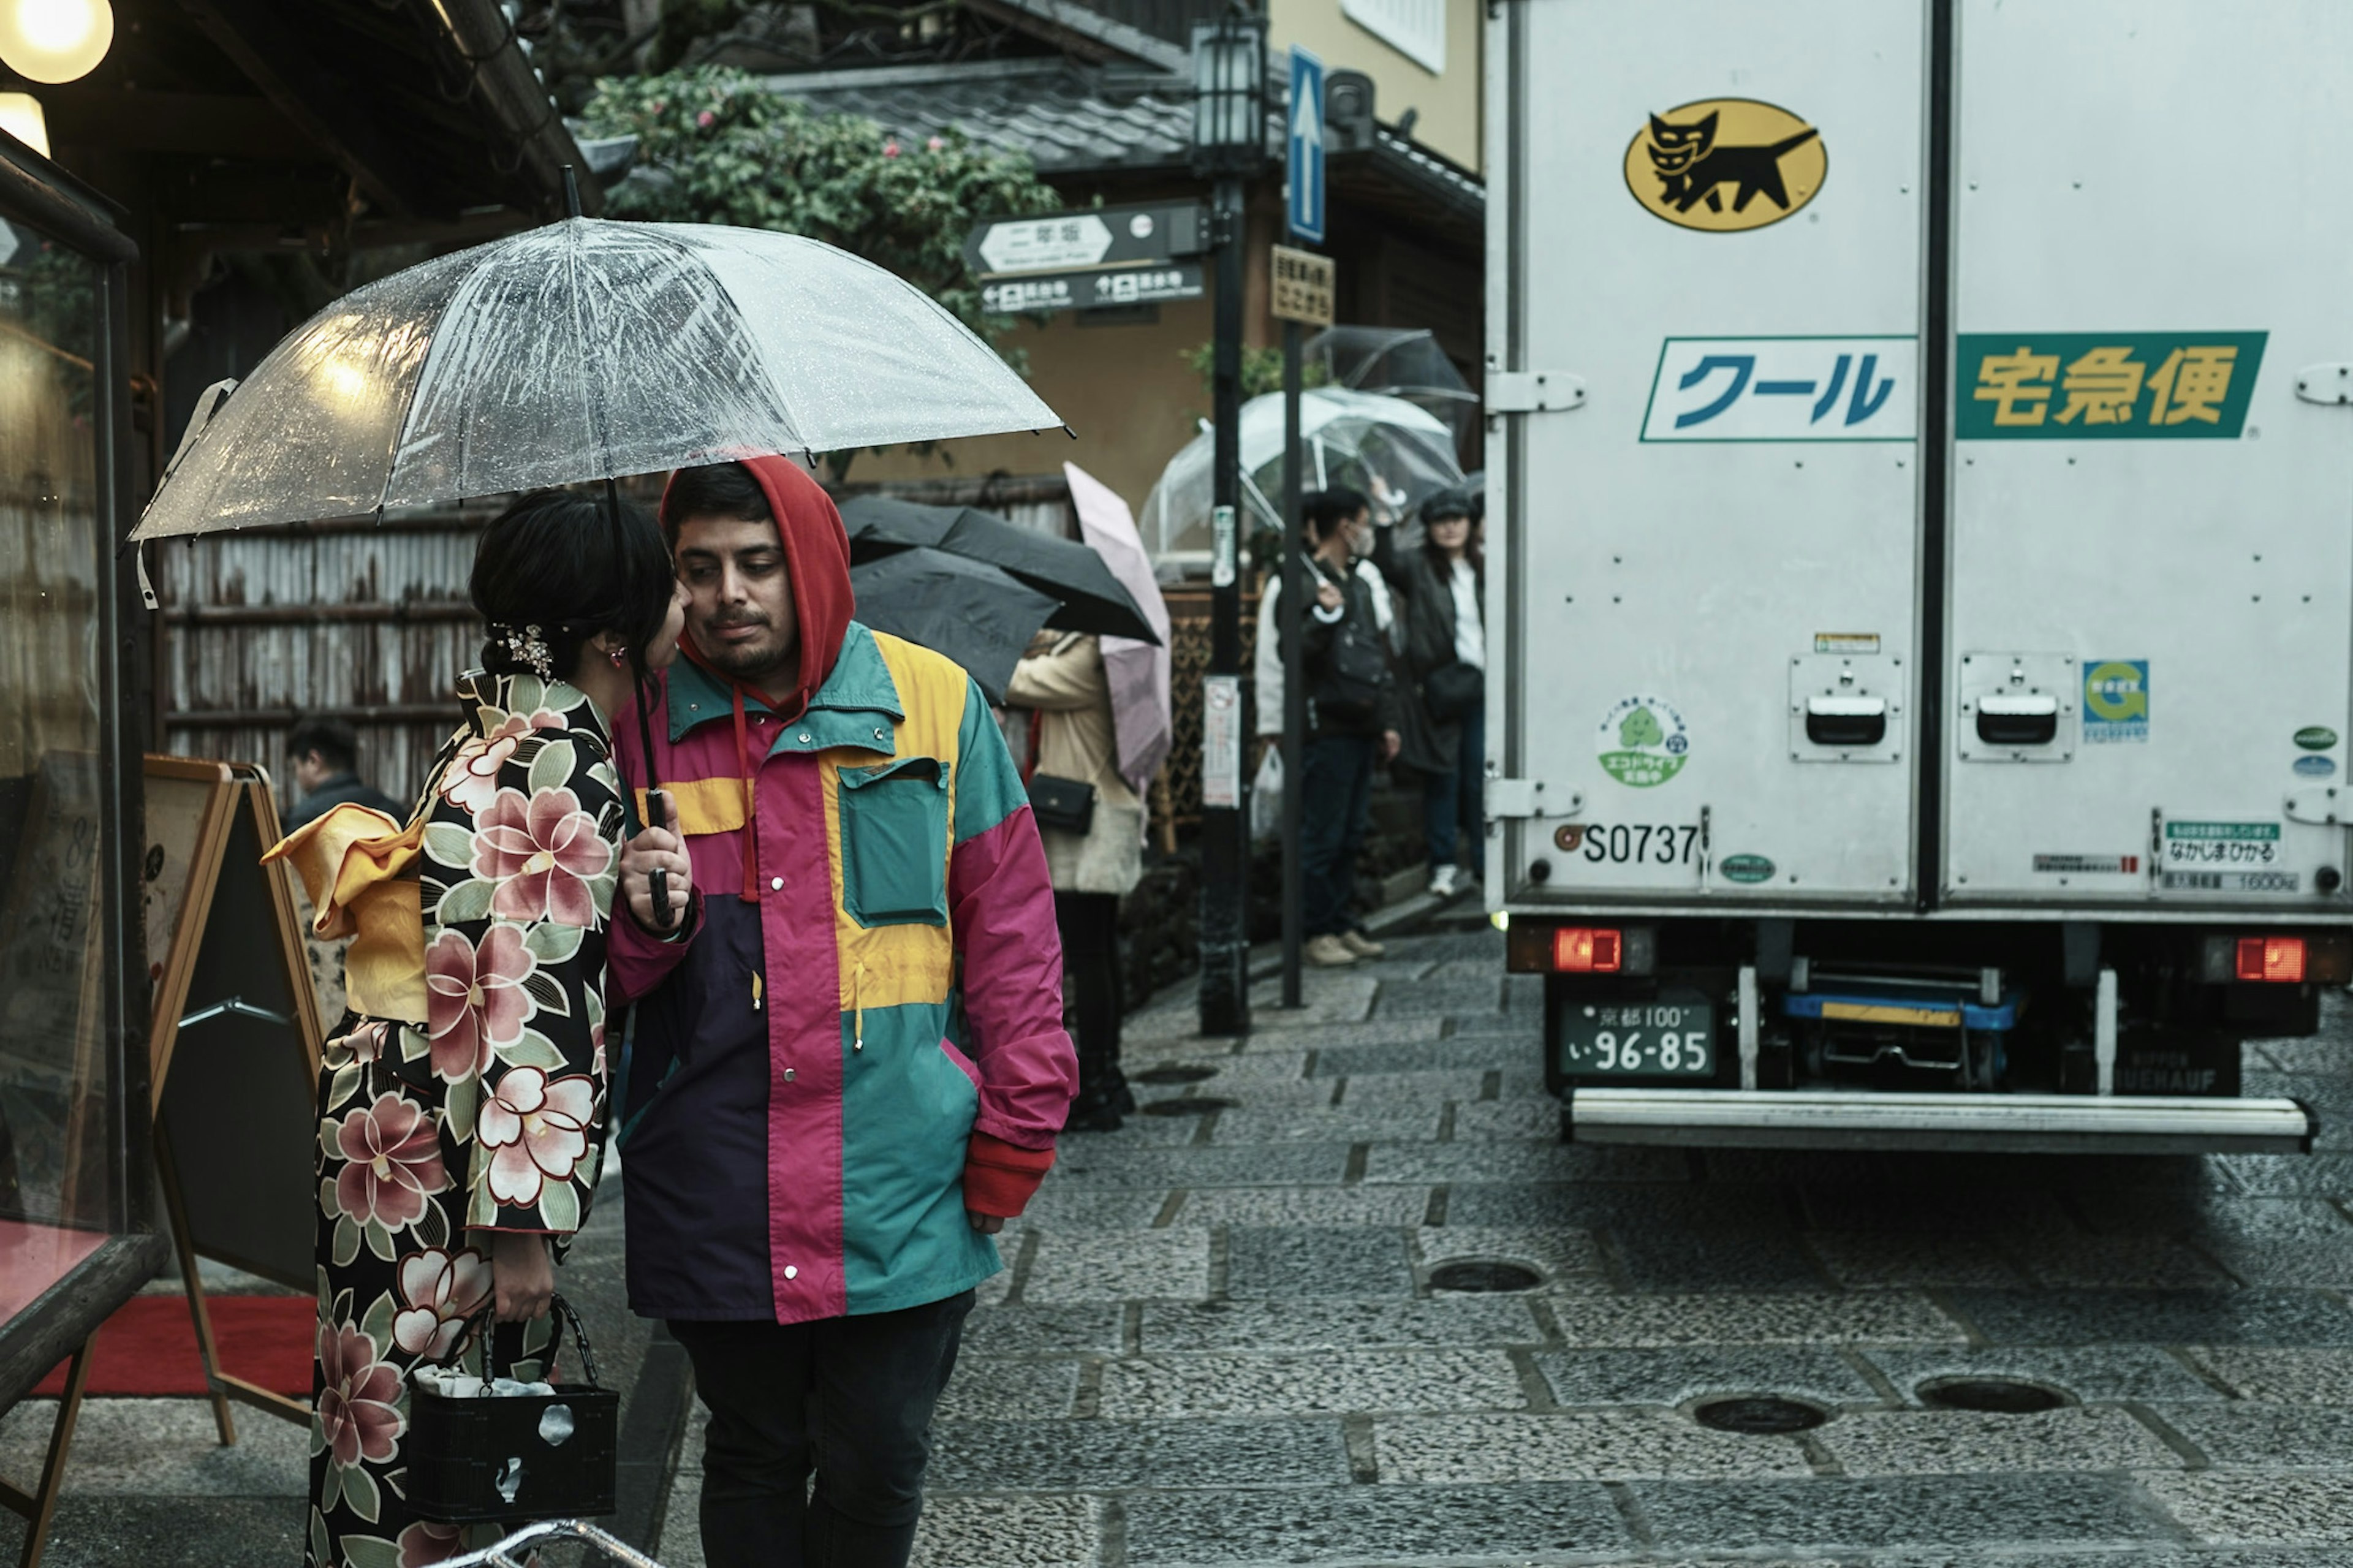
pixel 715 490
pixel 1321 511
pixel 568 564
pixel 1445 506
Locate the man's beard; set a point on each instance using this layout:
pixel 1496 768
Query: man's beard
pixel 747 661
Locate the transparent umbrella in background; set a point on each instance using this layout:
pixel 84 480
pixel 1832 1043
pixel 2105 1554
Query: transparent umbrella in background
pixel 1399 361
pixel 1396 452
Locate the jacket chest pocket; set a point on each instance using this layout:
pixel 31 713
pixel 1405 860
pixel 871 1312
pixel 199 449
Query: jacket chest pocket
pixel 894 843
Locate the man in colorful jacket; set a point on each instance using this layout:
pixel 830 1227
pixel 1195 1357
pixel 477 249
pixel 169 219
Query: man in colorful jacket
pixel 850 1064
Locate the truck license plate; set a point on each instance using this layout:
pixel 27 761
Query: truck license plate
pixel 1671 1037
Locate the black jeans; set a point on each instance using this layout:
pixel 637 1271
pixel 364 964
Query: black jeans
pixel 1336 796
pixel 1089 923
pixel 849 1398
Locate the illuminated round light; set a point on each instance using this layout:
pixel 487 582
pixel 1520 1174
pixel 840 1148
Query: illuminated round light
pixel 20 116
pixel 55 40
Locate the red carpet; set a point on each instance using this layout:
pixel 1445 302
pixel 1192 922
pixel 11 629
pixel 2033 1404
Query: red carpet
pixel 148 1347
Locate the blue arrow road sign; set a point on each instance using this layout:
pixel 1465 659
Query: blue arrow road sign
pixel 1307 159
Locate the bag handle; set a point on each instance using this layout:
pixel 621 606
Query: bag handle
pixel 480 1328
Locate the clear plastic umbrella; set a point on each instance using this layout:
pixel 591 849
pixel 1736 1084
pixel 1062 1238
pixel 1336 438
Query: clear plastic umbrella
pixel 1395 452
pixel 585 350
pixel 1400 361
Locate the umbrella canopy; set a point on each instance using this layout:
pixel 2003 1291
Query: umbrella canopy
pixel 1400 361
pixel 1092 599
pixel 968 610
pixel 585 350
pixel 1142 716
pixel 1392 450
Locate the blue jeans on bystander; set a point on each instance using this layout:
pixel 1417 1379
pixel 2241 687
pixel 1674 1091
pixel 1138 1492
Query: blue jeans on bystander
pixel 1453 802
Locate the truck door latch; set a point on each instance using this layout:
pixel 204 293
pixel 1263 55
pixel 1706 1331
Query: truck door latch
pixel 1534 391
pixel 2324 804
pixel 1528 797
pixel 2325 384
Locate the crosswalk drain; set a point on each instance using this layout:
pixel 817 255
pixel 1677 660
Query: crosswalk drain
pixel 1197 1105
pixel 1759 1413
pixel 1479 1274
pixel 1992 1396
pixel 1178 1074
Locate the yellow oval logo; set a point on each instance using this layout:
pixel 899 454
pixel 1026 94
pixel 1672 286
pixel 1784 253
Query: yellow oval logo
pixel 1724 165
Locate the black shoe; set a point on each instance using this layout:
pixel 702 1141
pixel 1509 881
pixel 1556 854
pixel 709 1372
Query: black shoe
pixel 1093 1115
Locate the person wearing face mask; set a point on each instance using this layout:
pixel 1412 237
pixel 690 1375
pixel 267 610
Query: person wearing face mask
pixel 1352 721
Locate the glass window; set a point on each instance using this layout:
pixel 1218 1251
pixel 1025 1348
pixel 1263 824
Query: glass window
pixel 55 1159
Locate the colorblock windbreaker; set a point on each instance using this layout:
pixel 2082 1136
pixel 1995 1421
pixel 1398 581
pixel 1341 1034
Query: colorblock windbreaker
pixel 859 1034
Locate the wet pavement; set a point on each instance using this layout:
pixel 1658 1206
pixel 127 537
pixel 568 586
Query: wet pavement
pixel 1224 1340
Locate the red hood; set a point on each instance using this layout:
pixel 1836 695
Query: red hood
pixel 817 557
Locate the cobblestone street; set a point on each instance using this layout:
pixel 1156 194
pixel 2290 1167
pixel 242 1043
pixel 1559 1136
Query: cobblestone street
pixel 1221 1340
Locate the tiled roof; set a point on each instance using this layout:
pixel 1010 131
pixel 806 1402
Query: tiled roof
pixel 1058 113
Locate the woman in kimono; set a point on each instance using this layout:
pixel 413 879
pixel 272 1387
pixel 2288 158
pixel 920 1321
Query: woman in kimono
pixel 461 1104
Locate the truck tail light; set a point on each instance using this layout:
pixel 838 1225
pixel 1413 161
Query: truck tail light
pixel 2271 958
pixel 1582 950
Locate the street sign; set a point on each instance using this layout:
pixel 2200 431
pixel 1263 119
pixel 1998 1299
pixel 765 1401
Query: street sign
pixel 1087 237
pixel 1094 289
pixel 1303 284
pixel 1306 156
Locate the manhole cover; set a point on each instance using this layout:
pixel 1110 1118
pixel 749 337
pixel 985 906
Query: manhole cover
pixel 1176 1075
pixel 1479 1274
pixel 1994 1395
pixel 1197 1105
pixel 1759 1413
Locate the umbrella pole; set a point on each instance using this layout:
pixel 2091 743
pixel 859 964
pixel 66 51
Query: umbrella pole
pixel 641 684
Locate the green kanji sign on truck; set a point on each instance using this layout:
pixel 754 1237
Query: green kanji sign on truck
pixel 2104 386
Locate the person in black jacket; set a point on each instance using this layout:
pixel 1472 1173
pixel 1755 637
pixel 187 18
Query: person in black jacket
pixel 1444 698
pixel 325 753
pixel 1352 721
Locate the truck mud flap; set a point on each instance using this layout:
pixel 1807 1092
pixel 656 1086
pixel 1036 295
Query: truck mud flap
pixel 2012 1123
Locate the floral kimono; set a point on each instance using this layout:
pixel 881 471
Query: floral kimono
pixel 466 1090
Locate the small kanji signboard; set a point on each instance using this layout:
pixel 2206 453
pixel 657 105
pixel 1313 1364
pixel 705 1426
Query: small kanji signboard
pixel 2076 386
pixel 1303 286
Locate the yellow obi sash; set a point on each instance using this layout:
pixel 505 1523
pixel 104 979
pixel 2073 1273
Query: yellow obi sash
pixel 360 868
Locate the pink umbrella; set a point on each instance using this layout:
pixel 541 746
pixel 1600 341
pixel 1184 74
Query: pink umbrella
pixel 1138 671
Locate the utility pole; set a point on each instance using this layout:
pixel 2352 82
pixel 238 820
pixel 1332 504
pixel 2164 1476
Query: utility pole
pixel 1228 146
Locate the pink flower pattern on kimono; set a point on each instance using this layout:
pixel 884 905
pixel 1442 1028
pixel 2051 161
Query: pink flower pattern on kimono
pixel 541 853
pixel 471 779
pixel 394 1152
pixel 440 1291
pixel 475 1001
pixel 425 1542
pixel 540 1128
pixel 359 1410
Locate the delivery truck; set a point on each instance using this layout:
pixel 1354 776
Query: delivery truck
pixel 1920 563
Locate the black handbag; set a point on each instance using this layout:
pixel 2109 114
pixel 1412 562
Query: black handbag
pixel 514 1458
pixel 1453 689
pixel 1065 805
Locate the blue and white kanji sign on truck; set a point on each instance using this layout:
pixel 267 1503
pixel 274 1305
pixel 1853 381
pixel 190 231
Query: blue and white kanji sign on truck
pixel 1921 562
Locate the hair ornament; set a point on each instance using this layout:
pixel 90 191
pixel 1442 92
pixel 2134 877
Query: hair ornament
pixel 526 645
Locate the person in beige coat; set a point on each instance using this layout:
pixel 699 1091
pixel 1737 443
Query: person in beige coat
pixel 1060 682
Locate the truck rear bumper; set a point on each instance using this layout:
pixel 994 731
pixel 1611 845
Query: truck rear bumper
pixel 2012 1123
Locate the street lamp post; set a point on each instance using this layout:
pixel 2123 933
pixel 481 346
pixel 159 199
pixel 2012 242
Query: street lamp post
pixel 1228 146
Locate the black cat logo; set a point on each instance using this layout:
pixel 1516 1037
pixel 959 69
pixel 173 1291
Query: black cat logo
pixel 1724 164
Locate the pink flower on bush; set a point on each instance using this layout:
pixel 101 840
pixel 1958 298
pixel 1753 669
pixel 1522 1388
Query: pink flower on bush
pixel 393 1154
pixel 474 999
pixel 934 144
pixel 424 1543
pixel 706 119
pixel 440 1291
pixel 890 149
pixel 471 779
pixel 539 1128
pixel 358 1410
pixel 540 853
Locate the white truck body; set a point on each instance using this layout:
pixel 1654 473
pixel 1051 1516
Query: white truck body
pixel 1921 479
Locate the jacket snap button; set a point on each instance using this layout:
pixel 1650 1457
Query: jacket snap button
pixel 776 884
pixel 789 1075
pixel 791 1272
pixel 805 737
